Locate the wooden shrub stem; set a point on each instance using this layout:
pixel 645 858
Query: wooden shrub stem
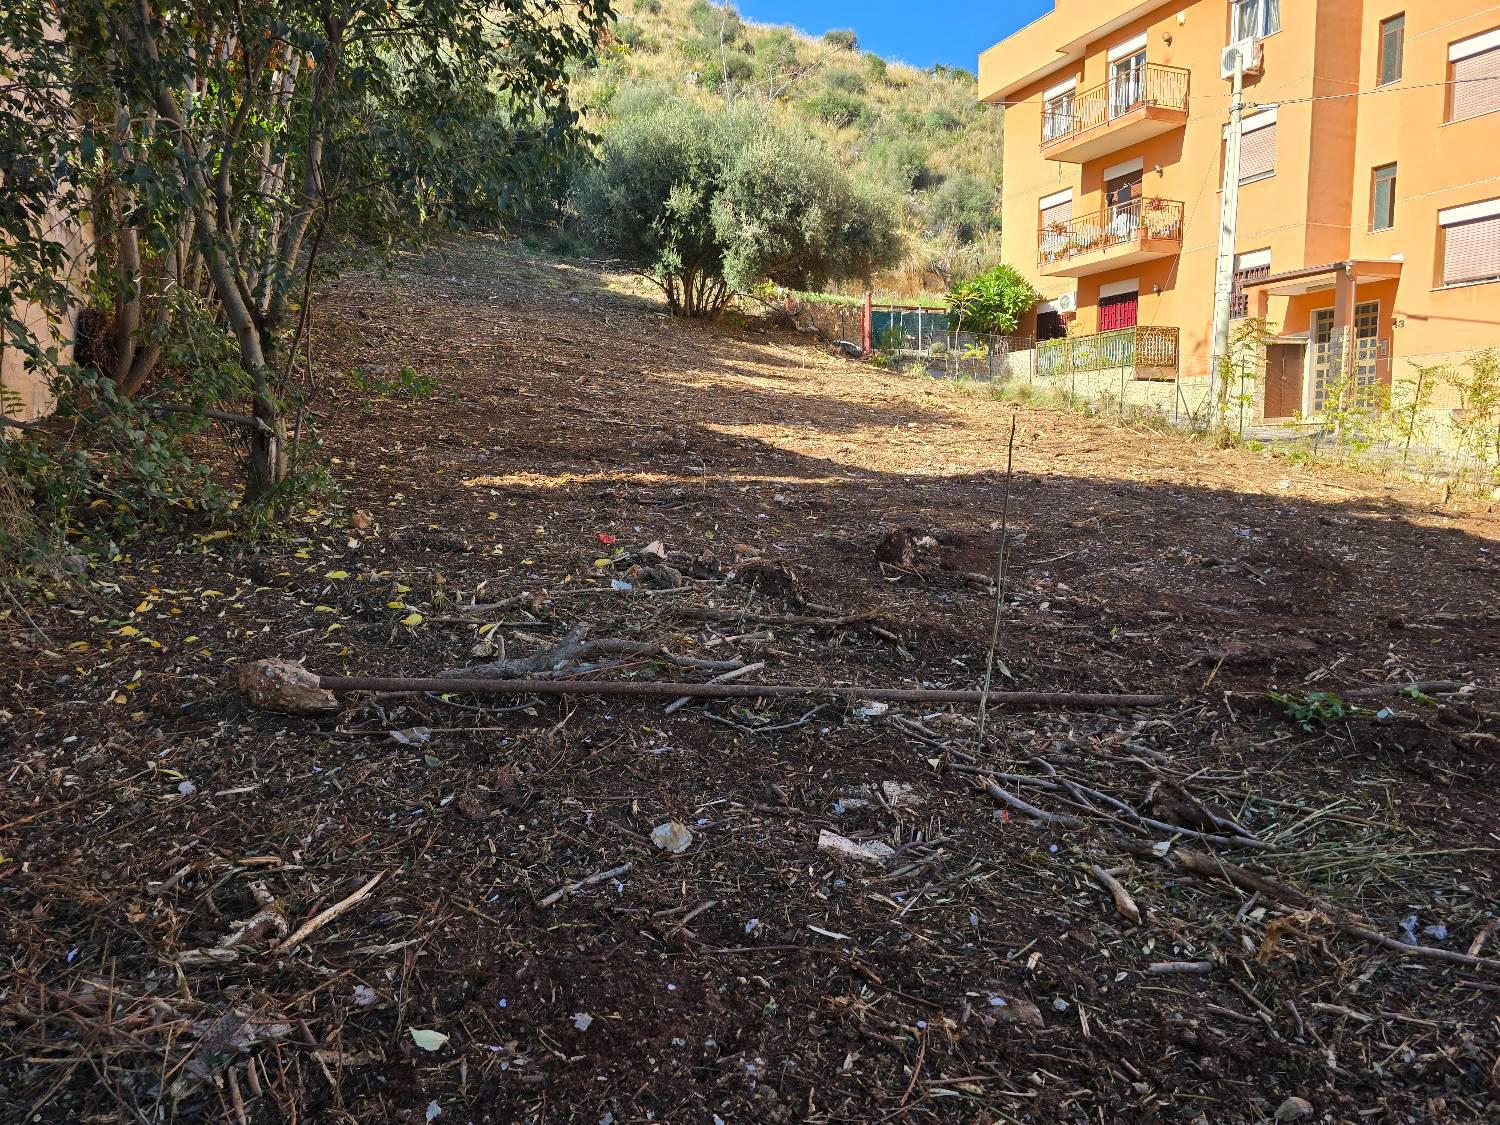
pixel 457 685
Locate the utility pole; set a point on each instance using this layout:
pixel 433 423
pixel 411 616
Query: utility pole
pixel 1228 224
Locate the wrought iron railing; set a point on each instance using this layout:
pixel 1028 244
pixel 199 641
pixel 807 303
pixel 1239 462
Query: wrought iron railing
pixel 1143 346
pixel 1161 87
pixel 1116 225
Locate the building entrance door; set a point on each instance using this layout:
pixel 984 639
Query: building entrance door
pixel 1364 369
pixel 1284 366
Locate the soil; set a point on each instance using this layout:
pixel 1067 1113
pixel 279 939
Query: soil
pixel 160 837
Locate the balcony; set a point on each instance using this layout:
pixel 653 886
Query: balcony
pixel 1120 235
pixel 1131 107
pixel 1151 351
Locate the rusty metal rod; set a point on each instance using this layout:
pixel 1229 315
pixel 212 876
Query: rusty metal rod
pixel 458 686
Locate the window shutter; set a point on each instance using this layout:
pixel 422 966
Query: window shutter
pixel 1058 213
pixel 1476 85
pixel 1471 250
pixel 1258 153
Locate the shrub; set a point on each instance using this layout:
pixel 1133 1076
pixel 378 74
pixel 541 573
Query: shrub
pixel 876 67
pixel 842 78
pixel 842 38
pixel 992 302
pixel 776 50
pixel 730 69
pixel 650 7
pixel 709 203
pixel 837 107
pixel 941 120
pixel 901 160
pixel 716 21
pixel 633 36
pixel 963 208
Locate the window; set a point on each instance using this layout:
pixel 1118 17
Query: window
pixel 1258 147
pixel 1383 197
pixel 1057 111
pixel 1470 243
pixel 1056 212
pixel 1474 76
pixel 1127 75
pixel 1256 18
pixel 1392 47
pixel 1248 267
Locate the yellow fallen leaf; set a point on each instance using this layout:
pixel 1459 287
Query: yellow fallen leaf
pixel 412 619
pixel 190 640
pixel 120 697
pixel 212 535
pixel 337 574
pixel 324 609
pixel 304 553
pixel 395 605
pixel 144 606
pixel 128 631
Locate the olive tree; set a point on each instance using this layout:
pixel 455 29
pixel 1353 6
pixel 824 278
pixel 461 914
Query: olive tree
pixel 707 204
pixel 209 144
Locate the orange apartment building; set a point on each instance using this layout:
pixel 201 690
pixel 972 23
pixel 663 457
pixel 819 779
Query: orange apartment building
pixel 1369 205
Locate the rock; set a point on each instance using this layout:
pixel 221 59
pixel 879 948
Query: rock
pixel 1015 1009
pixel 900 794
pixel 870 851
pixel 673 837
pixel 1293 1109
pixel 285 687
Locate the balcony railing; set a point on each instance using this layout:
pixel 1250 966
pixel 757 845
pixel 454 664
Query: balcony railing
pixel 1151 85
pixel 1117 225
pixel 1143 346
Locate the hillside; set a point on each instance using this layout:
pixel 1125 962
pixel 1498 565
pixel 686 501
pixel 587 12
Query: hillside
pixel 919 132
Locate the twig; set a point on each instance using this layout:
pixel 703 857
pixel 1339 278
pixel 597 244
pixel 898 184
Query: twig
pixel 722 678
pixel 1163 967
pixel 321 919
pixel 572 888
pixel 1060 820
pixel 1211 867
pixel 1000 578
pixel 1124 905
pixel 35 628
pixel 802 721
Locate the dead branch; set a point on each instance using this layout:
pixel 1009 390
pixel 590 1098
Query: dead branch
pixel 1124 905
pixel 1060 820
pixel 322 918
pixel 573 649
pixel 724 677
pixel 1211 867
pixel 1040 700
pixel 572 888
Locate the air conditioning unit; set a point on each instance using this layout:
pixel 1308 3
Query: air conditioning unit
pixel 1067 302
pixel 1249 50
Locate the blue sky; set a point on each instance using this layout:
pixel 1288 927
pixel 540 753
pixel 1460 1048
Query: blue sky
pixel 937 31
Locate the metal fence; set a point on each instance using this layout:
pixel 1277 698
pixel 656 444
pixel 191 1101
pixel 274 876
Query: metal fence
pixel 1143 347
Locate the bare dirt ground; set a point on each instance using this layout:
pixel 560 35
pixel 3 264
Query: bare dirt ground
pixel 160 838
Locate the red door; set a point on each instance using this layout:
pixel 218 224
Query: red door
pixel 1118 312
